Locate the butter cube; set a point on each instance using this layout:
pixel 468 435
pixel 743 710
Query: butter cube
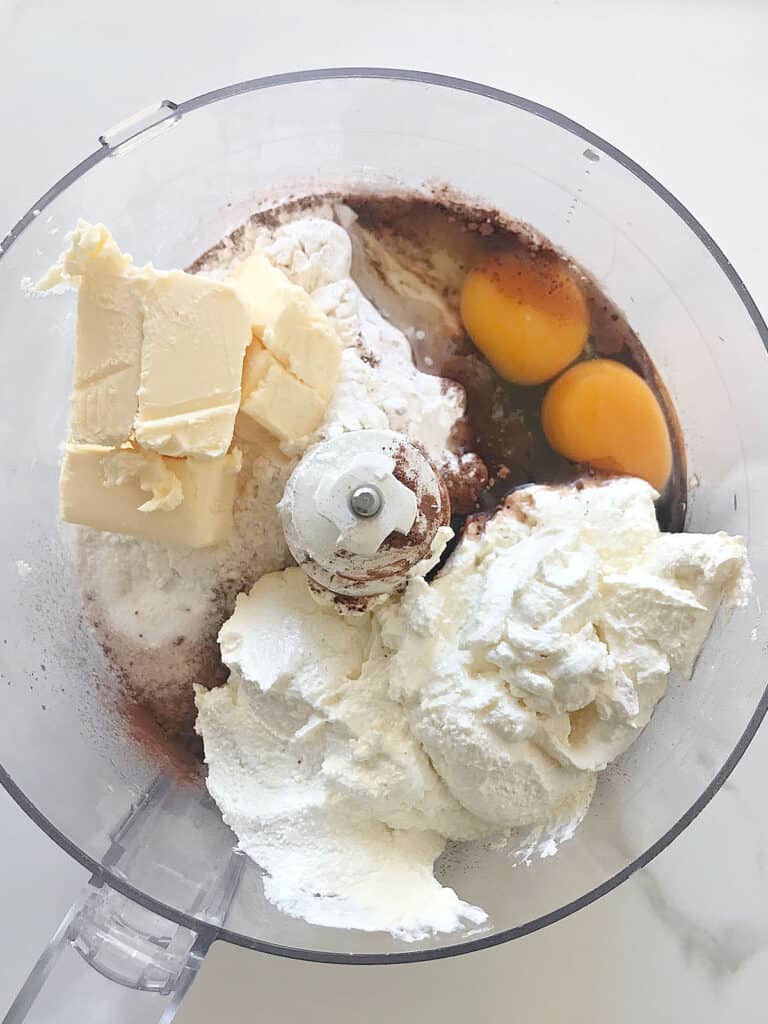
pixel 153 473
pixel 289 324
pixel 304 340
pixel 159 354
pixel 109 334
pixel 175 501
pixel 263 289
pixel 276 400
pixel 195 333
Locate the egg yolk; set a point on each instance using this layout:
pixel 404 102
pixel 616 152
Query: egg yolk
pixel 602 413
pixel 526 314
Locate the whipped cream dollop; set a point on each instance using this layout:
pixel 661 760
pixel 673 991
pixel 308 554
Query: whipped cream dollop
pixel 551 634
pixel 319 775
pixel 344 752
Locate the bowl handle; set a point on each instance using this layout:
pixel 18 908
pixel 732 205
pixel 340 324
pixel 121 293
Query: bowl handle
pixel 114 959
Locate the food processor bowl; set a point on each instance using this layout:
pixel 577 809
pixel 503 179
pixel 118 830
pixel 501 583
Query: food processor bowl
pixel 170 183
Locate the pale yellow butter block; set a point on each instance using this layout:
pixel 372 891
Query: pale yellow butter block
pixel 276 400
pixel 159 354
pixel 290 325
pixel 185 501
pixel 263 289
pixel 109 334
pixel 108 358
pixel 304 340
pixel 154 474
pixel 195 335
pixel 259 438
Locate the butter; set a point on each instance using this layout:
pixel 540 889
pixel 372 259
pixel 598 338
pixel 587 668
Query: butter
pixel 288 386
pixel 161 378
pixel 175 501
pixel 110 312
pixel 304 341
pixel 153 474
pixel 276 400
pixel 195 334
pixel 264 290
pixel 159 354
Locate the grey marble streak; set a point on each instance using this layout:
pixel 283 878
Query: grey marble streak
pixel 717 908
pixel 721 948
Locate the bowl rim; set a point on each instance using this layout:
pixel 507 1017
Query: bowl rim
pixel 207 932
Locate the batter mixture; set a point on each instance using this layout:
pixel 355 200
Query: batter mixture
pixel 299 471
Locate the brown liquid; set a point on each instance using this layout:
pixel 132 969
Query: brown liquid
pixel 504 419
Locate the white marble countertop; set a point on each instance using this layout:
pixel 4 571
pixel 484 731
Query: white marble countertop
pixel 681 87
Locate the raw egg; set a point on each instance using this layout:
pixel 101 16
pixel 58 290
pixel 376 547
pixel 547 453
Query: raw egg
pixel 526 314
pixel 602 413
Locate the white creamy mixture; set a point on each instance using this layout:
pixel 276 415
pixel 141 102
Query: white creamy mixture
pixel 344 752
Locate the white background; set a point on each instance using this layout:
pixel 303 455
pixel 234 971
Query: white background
pixel 681 87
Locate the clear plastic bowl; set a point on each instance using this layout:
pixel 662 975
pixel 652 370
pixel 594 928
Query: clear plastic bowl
pixel 169 184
